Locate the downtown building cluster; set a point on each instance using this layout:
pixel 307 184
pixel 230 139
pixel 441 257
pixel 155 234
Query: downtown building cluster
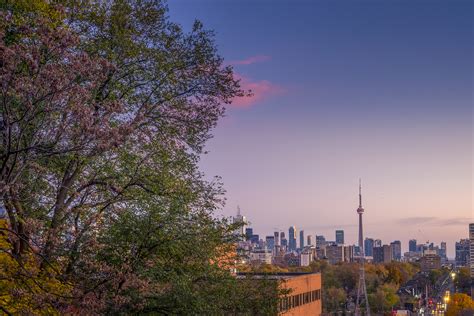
pixel 295 248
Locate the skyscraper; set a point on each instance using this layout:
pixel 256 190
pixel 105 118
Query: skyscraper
pixel 462 252
pixel 442 251
pixel 270 242
pixel 276 238
pixel 361 289
pixel 283 241
pixel 368 247
pixel 396 250
pixel 309 240
pixel 412 245
pixel 320 241
pixel 301 239
pixel 340 237
pixel 248 233
pixel 240 219
pixel 292 238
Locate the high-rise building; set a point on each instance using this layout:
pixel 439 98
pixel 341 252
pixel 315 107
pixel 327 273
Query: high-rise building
pixel 471 252
pixel 396 250
pixel 255 239
pixel 276 238
pixel 248 233
pixel 320 241
pixel 442 251
pixel 270 242
pixel 368 247
pixel 309 240
pixel 292 238
pixel 240 219
pixel 301 239
pixel 377 243
pixel 430 261
pixel 382 254
pixel 335 253
pixel 412 245
pixel 283 241
pixel 462 253
pixel 340 237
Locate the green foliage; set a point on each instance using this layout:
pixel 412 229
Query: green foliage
pixel 462 281
pixel 102 175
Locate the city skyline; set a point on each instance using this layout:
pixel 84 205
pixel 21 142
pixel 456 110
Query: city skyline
pixel 381 91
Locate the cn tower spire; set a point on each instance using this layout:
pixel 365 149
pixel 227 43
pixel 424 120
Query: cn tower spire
pixel 361 290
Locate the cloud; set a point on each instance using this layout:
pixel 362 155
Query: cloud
pixel 251 60
pixel 260 91
pixel 456 221
pixel 415 220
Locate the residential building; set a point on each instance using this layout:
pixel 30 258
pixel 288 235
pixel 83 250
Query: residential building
pixel 335 253
pixel 261 256
pixel 382 254
pixel 430 261
pixel 462 253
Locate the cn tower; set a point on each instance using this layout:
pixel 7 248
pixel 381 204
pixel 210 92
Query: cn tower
pixel 361 290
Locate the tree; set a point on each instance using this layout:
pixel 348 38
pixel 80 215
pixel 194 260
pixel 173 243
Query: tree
pixel 106 107
pixel 460 304
pixel 334 299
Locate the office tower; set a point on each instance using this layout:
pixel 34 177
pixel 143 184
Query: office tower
pixel 412 245
pixel 462 253
pixel 283 241
pixel 382 254
pixel 396 250
pixel 361 289
pixel 248 233
pixel 309 240
pixel 270 242
pixel 340 237
pixel 255 239
pixel 301 239
pixel 276 238
pixel 377 243
pixel 240 219
pixel 320 241
pixel 442 251
pixel 292 238
pixel 368 247
pixel 471 251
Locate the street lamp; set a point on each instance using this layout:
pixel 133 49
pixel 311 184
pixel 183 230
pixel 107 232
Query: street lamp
pixel 453 275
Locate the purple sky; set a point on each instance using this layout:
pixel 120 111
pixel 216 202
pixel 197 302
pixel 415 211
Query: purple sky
pixel 380 90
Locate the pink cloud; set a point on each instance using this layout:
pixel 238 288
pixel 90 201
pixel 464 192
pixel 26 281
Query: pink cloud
pixel 261 90
pixel 251 60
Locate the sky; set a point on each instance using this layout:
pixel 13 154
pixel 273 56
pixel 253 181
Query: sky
pixel 342 90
